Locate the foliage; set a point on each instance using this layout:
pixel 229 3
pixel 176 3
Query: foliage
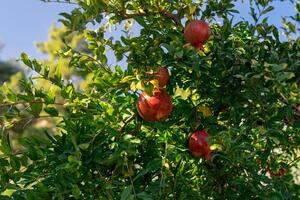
pixel 25 125
pixel 7 68
pixel 247 75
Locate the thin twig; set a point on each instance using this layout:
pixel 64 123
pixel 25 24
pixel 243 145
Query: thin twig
pixel 131 181
pixel 175 18
pixel 180 11
pixel 126 122
pixel 175 178
pixel 56 1
pixel 170 15
pixel 129 16
pixel 96 61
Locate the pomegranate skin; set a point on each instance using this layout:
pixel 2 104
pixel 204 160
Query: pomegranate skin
pixel 198 145
pixel 197 33
pixel 282 171
pixel 154 108
pixel 162 76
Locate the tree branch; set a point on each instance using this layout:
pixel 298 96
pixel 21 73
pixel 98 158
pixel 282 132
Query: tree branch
pixel 180 11
pixel 57 1
pixel 170 15
pixel 129 16
pixel 127 122
pixel 175 18
pixel 107 69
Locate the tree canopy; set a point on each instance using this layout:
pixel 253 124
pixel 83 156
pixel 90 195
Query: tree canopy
pixel 242 88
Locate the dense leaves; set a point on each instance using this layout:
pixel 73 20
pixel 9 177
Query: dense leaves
pixel 242 88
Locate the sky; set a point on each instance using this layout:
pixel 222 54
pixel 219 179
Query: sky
pixel 25 22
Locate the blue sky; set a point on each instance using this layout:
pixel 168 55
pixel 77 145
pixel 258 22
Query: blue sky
pixel 24 22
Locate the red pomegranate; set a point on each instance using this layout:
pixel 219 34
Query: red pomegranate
pixel 154 108
pixel 282 171
pixel 197 33
pixel 198 145
pixel 162 76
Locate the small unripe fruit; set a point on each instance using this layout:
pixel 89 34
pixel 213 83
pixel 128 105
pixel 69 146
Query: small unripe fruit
pixel 197 33
pixel 154 108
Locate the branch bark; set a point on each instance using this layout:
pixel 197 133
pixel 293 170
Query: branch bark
pixel 172 16
pixel 56 1
pixel 175 18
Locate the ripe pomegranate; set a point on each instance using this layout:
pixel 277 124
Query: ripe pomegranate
pixel 198 145
pixel 197 33
pixel 154 108
pixel 281 172
pixel 162 76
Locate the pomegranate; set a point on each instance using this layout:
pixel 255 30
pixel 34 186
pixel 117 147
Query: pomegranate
pixel 198 145
pixel 197 33
pixel 162 76
pixel 281 172
pixel 154 108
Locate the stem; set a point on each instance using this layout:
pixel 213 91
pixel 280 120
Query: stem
pixel 175 178
pixel 172 16
pixel 131 181
pixel 180 11
pixel 162 180
pixel 175 18
pixel 129 16
pixel 57 1
pixel 295 160
pixel 96 61
pixel 126 122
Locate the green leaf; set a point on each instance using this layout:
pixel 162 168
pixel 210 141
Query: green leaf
pixel 275 33
pixel 269 9
pixel 36 65
pixel 5 143
pixel 140 174
pixel 277 136
pixel 76 192
pixel 36 108
pixel 15 163
pixel 127 79
pixel 291 27
pixel 25 59
pixel 126 193
pixel 67 91
pixel 141 21
pixel 51 111
pixel 283 76
pixel 144 196
pixel 168 47
pixel 179 54
pixel 84 145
